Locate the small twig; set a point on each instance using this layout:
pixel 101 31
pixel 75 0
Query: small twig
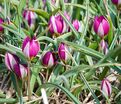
pixel 87 98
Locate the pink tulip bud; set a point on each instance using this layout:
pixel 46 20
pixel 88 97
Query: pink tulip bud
pixel 1 21
pixel 106 87
pixel 21 70
pixel 30 17
pixel 30 47
pixel 116 2
pixel 76 25
pixel 63 52
pixel 101 26
pixel 48 59
pixel 104 46
pixel 57 24
pixel 11 60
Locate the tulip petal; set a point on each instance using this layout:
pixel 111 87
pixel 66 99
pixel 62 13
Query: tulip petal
pixel 26 40
pixel 106 26
pixel 54 26
pixel 96 24
pixel 23 71
pixel 26 50
pixel 7 62
pixel 1 21
pixel 51 61
pixel 115 2
pixel 34 48
pixel 100 30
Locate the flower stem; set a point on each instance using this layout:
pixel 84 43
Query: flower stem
pixel 29 90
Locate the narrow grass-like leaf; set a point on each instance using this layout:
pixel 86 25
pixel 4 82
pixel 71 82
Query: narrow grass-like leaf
pixel 70 95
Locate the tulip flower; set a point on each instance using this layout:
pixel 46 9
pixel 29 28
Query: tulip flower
pixel 21 71
pixel 30 47
pixel 11 60
pixel 116 2
pixel 77 25
pixel 30 17
pixel 106 87
pixel 101 26
pixel 63 52
pixel 48 59
pixel 104 46
pixel 1 21
pixel 57 24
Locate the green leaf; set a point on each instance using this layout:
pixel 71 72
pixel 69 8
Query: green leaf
pixel 70 95
pixel 41 12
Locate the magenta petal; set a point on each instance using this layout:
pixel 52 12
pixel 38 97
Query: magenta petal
pixel 115 2
pixel 51 25
pixel 17 70
pixel 105 26
pixel 7 62
pixel 26 40
pixel 59 26
pixel 76 24
pixel 1 21
pixel 46 58
pixel 34 48
pixel 96 24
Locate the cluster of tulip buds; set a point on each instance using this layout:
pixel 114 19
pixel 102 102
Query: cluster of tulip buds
pixel 30 17
pixel 1 22
pixel 106 87
pixel 12 63
pixel 49 60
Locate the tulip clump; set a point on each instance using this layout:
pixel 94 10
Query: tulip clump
pixel 11 60
pixel 12 63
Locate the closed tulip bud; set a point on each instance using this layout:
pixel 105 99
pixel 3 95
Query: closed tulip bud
pixel 11 60
pixel 57 24
pixel 1 22
pixel 106 87
pixel 116 2
pixel 30 17
pixel 77 25
pixel 63 52
pixel 21 71
pixel 104 46
pixel 48 59
pixel 30 47
pixel 101 26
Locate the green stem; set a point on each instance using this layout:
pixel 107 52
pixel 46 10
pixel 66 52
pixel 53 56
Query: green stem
pixel 29 90
pixel 19 91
